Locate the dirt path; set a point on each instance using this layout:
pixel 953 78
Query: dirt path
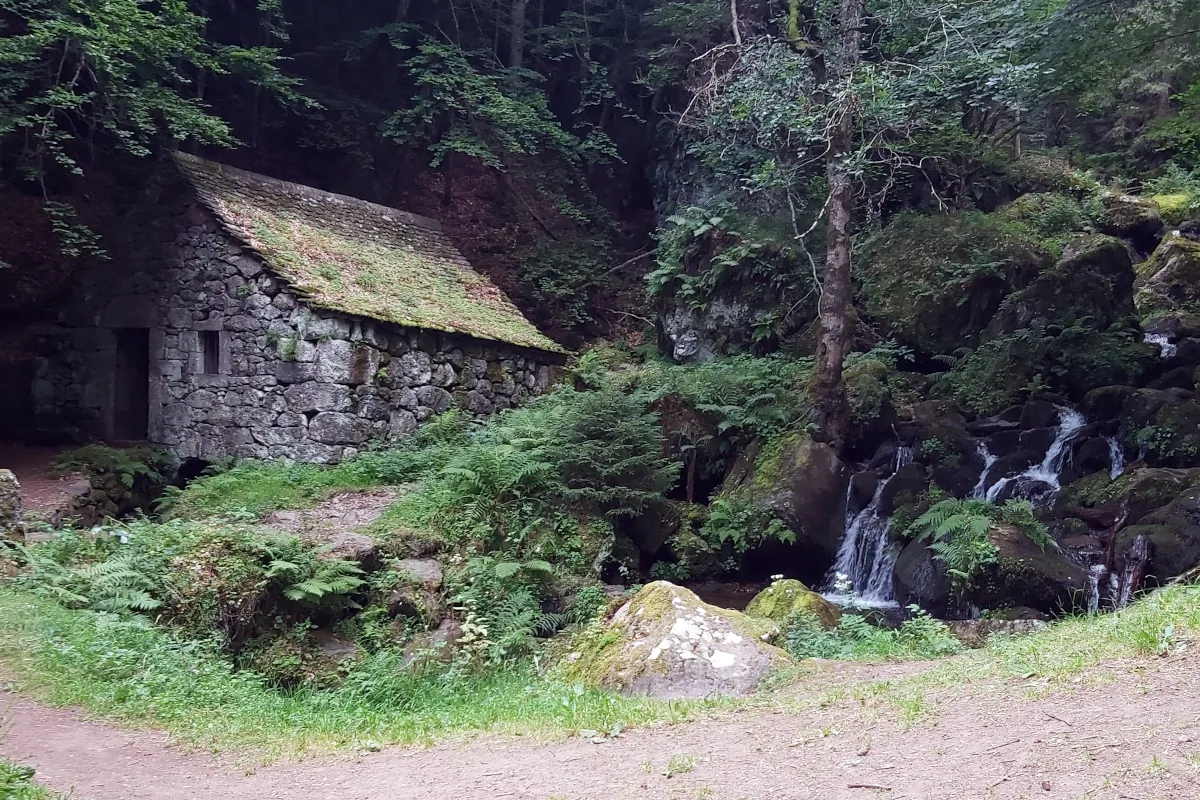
pixel 40 493
pixel 1134 738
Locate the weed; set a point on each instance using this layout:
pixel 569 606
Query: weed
pixel 16 783
pixel 680 765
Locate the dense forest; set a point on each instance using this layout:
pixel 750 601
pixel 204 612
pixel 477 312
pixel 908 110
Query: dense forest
pixel 896 298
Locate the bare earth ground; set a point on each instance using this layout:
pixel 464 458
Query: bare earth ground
pixel 31 464
pixel 1129 731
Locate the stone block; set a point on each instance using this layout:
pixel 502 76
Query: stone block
pixel 176 415
pixel 415 366
pixel 302 397
pixel 295 372
pixel 438 400
pixel 374 408
pixel 278 435
pixel 331 427
pixel 340 361
pixel 402 423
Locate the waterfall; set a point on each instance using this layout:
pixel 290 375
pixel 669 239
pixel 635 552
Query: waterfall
pixel 980 490
pixel 1165 348
pixel 1116 457
pixel 1048 471
pixel 866 557
pixel 1096 574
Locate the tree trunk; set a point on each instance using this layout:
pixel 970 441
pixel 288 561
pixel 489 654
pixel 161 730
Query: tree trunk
pixel 829 390
pixel 516 44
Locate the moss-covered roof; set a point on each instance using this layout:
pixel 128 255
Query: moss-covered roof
pixel 359 258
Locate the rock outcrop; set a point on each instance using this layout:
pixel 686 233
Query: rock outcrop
pixel 667 643
pixel 785 598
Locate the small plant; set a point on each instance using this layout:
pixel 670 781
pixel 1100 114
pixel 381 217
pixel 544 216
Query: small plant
pixel 288 349
pixel 680 765
pixel 128 465
pixel 244 291
pixel 940 452
pixel 16 783
pixel 855 638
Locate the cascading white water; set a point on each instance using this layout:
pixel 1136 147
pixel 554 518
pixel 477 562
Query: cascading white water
pixel 980 490
pixel 1046 473
pixel 1096 574
pixel 866 557
pixel 1116 458
pixel 1165 348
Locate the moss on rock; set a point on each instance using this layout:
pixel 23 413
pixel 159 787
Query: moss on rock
pixel 665 642
pixel 1170 278
pixel 936 280
pixel 783 598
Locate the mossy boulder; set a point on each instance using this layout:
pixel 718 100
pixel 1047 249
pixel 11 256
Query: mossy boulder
pixel 1134 494
pixel 665 642
pixel 783 598
pixel 803 483
pixel 934 281
pixel 1092 281
pixel 1024 574
pixel 1174 534
pixel 1170 278
pixel 10 504
pixel 1135 218
pixel 1176 207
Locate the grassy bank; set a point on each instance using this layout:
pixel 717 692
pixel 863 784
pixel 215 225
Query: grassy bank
pixel 127 670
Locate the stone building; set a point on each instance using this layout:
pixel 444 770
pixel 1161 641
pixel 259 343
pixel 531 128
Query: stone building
pixel 239 315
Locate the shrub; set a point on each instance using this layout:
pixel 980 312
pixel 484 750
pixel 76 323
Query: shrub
pixel 855 638
pixel 959 530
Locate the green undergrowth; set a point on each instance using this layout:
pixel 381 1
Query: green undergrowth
pixel 16 783
pixel 855 639
pixel 257 487
pixel 1165 622
pixel 130 671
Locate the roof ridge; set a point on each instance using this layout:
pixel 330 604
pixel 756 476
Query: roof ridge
pixel 302 191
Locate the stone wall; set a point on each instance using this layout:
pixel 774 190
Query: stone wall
pixel 290 381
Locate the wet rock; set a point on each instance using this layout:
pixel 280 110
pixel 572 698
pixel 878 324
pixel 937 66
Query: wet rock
pixel 909 480
pixel 1173 532
pixel 657 523
pixel 1106 402
pixel 1175 326
pixel 862 489
pixel 785 598
pixel 804 484
pixel 1177 378
pixel 1129 217
pixel 1026 575
pixel 921 579
pixel 668 644
pixel 976 632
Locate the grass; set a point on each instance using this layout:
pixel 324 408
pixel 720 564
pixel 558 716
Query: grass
pixel 16 783
pixel 128 670
pixel 257 487
pixel 1157 625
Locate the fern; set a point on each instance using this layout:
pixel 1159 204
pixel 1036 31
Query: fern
pixel 958 530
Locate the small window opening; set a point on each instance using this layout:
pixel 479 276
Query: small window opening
pixel 210 348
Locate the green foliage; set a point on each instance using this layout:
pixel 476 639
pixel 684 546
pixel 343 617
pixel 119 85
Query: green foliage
pixel 207 578
pixel 748 397
pixel 130 466
pixel 460 109
pixel 543 480
pixel 919 637
pixel 73 70
pixel 16 783
pixel 257 487
pixel 501 603
pixel 126 669
pixel 959 533
pixel 1065 359
pixel 735 526
pixel 563 277
pixel 940 452
pixel 702 250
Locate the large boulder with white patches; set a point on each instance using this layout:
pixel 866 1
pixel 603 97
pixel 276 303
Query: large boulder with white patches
pixel 667 643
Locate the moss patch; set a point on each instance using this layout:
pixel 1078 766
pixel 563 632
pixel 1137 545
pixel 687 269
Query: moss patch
pixel 783 598
pixel 357 258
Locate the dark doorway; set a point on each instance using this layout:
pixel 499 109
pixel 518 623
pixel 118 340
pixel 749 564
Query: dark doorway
pixel 131 384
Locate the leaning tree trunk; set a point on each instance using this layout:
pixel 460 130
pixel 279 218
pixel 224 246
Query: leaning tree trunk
pixel 829 390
